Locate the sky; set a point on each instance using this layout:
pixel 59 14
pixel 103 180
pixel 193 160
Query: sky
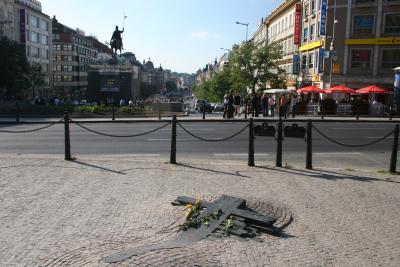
pixel 180 35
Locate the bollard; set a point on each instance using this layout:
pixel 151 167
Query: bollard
pixel 357 110
pixel 322 109
pixel 173 142
pixel 390 112
pixel 245 112
pixel 204 110
pixel 251 143
pixel 16 111
pixel 393 158
pixel 113 111
pixel 67 139
pixel 279 147
pixel 159 110
pixel 309 146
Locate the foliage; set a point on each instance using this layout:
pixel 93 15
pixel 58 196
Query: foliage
pixel 147 90
pixel 252 65
pixel 35 77
pixel 215 89
pixel 194 217
pixel 13 67
pixel 171 86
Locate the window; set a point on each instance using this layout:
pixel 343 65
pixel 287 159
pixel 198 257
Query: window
pixel 311 61
pixel 305 34
pixel 304 62
pixel 390 58
pixel 44 25
pixel 313 6
pixel 45 40
pixel 306 9
pixel 34 51
pixel 363 24
pixel 44 53
pixel 363 1
pixel 34 21
pixel 361 58
pixel 312 29
pixel 392 23
pixel 35 37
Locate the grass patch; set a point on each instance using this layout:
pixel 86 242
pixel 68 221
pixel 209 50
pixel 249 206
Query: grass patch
pixel 350 170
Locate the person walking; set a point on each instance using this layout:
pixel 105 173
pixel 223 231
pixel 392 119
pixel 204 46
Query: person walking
pixel 271 104
pixel 293 104
pixel 225 104
pixel 264 103
pixel 230 107
pixel 282 106
pixel 237 100
pixel 255 105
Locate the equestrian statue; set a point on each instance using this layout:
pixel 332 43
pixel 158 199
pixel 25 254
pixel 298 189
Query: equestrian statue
pixel 116 42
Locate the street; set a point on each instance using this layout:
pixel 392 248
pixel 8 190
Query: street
pixel 51 141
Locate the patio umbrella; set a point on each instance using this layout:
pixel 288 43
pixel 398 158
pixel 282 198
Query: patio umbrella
pixel 340 89
pixel 310 89
pixel 373 89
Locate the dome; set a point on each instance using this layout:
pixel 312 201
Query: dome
pixel 149 65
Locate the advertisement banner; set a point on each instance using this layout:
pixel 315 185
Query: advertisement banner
pixel 109 84
pixel 22 27
pixel 322 27
pixel 296 65
pixel 321 56
pixel 297 25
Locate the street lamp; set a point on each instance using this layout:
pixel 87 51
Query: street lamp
pixel 226 49
pixel 247 27
pixel 332 47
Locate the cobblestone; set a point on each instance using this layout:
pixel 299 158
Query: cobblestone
pixel 59 213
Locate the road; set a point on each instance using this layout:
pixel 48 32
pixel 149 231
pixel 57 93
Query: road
pixel 51 141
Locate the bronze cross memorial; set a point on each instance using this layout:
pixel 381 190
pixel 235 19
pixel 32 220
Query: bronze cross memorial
pixel 247 223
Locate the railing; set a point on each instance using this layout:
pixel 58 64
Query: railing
pixel 288 131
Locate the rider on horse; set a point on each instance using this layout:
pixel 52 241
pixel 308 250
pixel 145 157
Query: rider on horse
pixel 116 40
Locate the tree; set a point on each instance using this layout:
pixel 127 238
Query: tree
pixel 171 86
pixel 35 77
pixel 253 65
pixel 13 67
pixel 147 90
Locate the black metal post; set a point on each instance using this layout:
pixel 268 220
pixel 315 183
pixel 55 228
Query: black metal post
pixel 322 109
pixel 159 110
pixel 309 146
pixel 357 110
pixel 204 110
pixel 173 142
pixel 16 111
pixel 113 111
pixel 67 139
pixel 245 111
pixel 251 143
pixel 390 111
pixel 279 146
pixel 393 158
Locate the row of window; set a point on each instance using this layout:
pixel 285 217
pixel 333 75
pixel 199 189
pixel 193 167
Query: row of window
pixel 288 46
pixel 68 78
pixel 282 25
pixel 37 52
pixel 79 49
pixel 36 22
pixel 36 37
pixel 69 68
pixel 360 59
pixel 365 24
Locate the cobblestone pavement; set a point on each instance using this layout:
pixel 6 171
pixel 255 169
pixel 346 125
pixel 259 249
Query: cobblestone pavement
pixel 58 213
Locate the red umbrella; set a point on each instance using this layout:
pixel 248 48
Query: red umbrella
pixel 340 89
pixel 373 89
pixel 310 89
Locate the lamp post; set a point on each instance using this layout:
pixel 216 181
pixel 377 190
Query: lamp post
pixel 332 47
pixel 247 27
pixel 226 49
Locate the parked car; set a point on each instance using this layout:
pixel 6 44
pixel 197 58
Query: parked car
pixel 218 107
pixel 205 104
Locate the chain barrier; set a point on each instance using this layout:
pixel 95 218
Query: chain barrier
pixel 120 136
pixel 212 140
pixel 351 145
pixel 33 130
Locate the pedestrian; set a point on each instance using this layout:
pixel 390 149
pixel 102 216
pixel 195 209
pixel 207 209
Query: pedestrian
pixel 236 100
pixel 230 105
pixel 293 104
pixel 264 103
pixel 271 104
pixel 282 106
pixel 255 105
pixel 225 103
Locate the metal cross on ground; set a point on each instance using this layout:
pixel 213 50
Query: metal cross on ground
pixel 246 224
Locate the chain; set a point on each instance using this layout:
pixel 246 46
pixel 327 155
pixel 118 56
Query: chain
pixel 212 140
pixel 120 136
pixel 33 130
pixel 350 145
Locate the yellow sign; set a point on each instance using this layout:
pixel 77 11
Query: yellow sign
pixel 336 68
pixel 374 41
pixel 312 45
pixel 315 78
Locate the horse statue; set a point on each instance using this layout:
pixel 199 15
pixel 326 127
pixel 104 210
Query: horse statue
pixel 116 42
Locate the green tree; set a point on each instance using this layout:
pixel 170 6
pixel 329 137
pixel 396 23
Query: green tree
pixel 147 90
pixel 35 77
pixel 171 86
pixel 252 65
pixel 13 67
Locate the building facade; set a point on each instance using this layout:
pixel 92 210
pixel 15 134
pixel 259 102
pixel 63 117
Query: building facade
pixel 7 25
pixel 73 52
pixel 283 28
pixel 32 29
